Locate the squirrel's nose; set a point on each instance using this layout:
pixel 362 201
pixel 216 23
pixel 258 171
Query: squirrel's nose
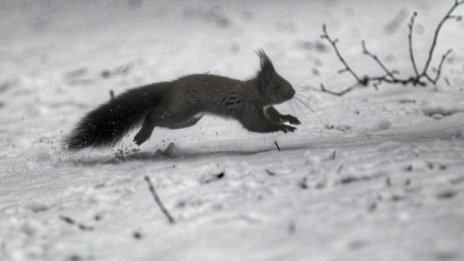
pixel 292 92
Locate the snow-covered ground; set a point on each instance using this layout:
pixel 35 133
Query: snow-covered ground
pixel 377 175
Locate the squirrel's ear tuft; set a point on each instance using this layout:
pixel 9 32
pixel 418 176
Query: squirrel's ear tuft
pixel 267 72
pixel 266 64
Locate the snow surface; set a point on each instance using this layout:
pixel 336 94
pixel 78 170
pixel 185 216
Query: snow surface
pixel 376 175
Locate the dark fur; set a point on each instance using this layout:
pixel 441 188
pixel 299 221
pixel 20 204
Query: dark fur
pixel 182 102
pixel 106 125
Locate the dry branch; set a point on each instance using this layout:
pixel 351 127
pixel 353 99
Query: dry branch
pixel 75 223
pixel 333 42
pixel 158 200
pixel 420 78
pixel 411 50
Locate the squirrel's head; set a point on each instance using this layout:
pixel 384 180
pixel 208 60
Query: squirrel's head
pixel 273 88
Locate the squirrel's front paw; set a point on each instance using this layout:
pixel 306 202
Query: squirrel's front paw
pixel 287 128
pixel 291 119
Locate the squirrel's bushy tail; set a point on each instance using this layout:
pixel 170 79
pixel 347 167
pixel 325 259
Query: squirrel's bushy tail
pixel 106 125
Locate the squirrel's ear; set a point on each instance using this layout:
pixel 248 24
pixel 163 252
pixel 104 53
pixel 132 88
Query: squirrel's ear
pixel 267 70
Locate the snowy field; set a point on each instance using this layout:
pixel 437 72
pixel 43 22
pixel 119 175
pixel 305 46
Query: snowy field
pixel 375 175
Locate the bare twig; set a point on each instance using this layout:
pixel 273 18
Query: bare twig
pixel 341 93
pixel 270 172
pixel 75 223
pixel 411 50
pixel 215 177
pixel 67 220
pixel 419 78
pixel 277 145
pixel 333 42
pixel 373 56
pixel 443 58
pixel 437 32
pixel 158 200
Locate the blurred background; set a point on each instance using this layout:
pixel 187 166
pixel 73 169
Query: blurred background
pixel 375 176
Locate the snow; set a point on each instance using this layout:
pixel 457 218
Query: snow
pixel 374 175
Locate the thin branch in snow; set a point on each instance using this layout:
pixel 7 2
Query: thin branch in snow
pixel 158 200
pixel 420 78
pixel 341 93
pixel 215 177
pixel 389 77
pixel 111 94
pixel 277 145
pixel 333 155
pixel 303 184
pixel 443 58
pixel 333 42
pixel 74 223
pixel 68 220
pixel 448 16
pixel 270 172
pixel 411 50
pixel 389 73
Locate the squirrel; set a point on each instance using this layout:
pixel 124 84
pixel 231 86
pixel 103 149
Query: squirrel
pixel 182 103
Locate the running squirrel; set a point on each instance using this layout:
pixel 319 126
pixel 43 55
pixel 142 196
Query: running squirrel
pixel 181 103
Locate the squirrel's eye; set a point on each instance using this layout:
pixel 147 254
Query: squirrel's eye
pixel 277 87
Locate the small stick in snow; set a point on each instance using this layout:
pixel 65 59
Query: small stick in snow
pixel 68 220
pixel 303 184
pixel 277 145
pixel 214 178
pixel 332 155
pixel 158 200
pixel 84 227
pixel 73 222
pixel 270 173
pixel 111 94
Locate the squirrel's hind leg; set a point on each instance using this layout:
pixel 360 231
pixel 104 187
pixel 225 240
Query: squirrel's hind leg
pixel 169 121
pixel 146 130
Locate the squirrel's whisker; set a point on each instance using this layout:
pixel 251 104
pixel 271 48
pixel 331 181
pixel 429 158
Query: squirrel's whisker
pixel 302 81
pixel 308 107
pixel 303 98
pixel 307 99
pixel 298 107
pixel 292 107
